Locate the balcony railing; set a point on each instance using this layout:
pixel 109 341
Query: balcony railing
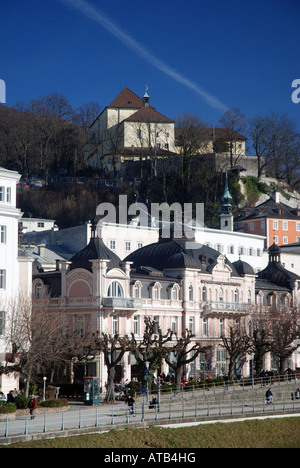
pixel 229 307
pixel 121 303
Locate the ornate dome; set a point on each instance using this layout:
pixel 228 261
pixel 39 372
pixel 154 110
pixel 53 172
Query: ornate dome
pixel 96 249
pixel 243 268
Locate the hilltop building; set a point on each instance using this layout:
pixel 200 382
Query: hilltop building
pixel 278 222
pixel 129 129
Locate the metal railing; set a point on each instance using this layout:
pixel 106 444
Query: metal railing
pixel 171 409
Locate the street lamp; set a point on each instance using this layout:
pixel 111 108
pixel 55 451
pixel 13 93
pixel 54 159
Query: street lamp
pixel 147 363
pixel 44 390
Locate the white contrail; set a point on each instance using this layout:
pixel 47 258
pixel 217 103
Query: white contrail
pixel 99 17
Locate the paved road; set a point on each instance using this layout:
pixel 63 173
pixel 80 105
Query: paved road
pixel 79 416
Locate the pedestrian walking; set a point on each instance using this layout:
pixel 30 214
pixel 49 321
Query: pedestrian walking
pixel 130 403
pixel 269 396
pixel 32 407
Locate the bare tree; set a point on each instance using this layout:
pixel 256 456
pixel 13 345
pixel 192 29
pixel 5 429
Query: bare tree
pixel 234 122
pixel 184 353
pixel 277 146
pixel 237 342
pixel 152 347
pixel 260 339
pixel 285 332
pixel 113 348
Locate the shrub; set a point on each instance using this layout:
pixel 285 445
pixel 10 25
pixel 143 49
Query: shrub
pixel 135 386
pixel 54 403
pixel 6 408
pixel 21 401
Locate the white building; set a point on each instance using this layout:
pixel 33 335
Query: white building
pixel 9 265
pixel 36 224
pixel 235 245
pixel 122 239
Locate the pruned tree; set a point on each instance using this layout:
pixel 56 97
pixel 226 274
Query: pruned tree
pixel 38 340
pixel 184 353
pixel 237 342
pixel 152 347
pixel 285 333
pixel 113 348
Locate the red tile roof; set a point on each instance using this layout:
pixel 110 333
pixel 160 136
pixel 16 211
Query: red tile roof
pixel 127 99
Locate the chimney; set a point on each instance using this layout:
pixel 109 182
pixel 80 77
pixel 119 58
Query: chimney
pixel 41 250
pixel 276 197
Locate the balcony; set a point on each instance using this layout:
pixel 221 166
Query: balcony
pixel 121 303
pixel 226 308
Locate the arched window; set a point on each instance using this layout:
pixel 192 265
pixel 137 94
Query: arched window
pixel 38 290
pixel 236 296
pixel 137 289
pixel 221 295
pixel 115 290
pixel 174 293
pixel 156 291
pixel 249 297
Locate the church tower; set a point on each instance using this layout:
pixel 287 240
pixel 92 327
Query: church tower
pixel 226 216
pixel 146 98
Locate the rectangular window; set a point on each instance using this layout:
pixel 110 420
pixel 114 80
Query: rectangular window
pixel 221 362
pixel 275 239
pixel 275 224
pixel 285 225
pixel 2 323
pixel 2 234
pixel 139 245
pixel 8 195
pixel 192 324
pixel 204 327
pixel 136 324
pixel 174 324
pixel 221 327
pixel 297 226
pixel 2 279
pixel 41 225
pixel 231 249
pixel 127 245
pixel 2 192
pixel 139 133
pixel 115 324
pixel 285 240
pixel 112 245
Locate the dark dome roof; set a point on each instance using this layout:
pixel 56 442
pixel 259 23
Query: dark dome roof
pixel 167 254
pixel 243 268
pixel 274 248
pixel 96 249
pixel 181 260
pixel 276 273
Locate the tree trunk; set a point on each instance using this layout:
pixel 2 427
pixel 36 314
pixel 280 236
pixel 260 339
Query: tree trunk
pixel 110 394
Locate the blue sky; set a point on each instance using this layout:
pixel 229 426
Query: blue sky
pixel 196 56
